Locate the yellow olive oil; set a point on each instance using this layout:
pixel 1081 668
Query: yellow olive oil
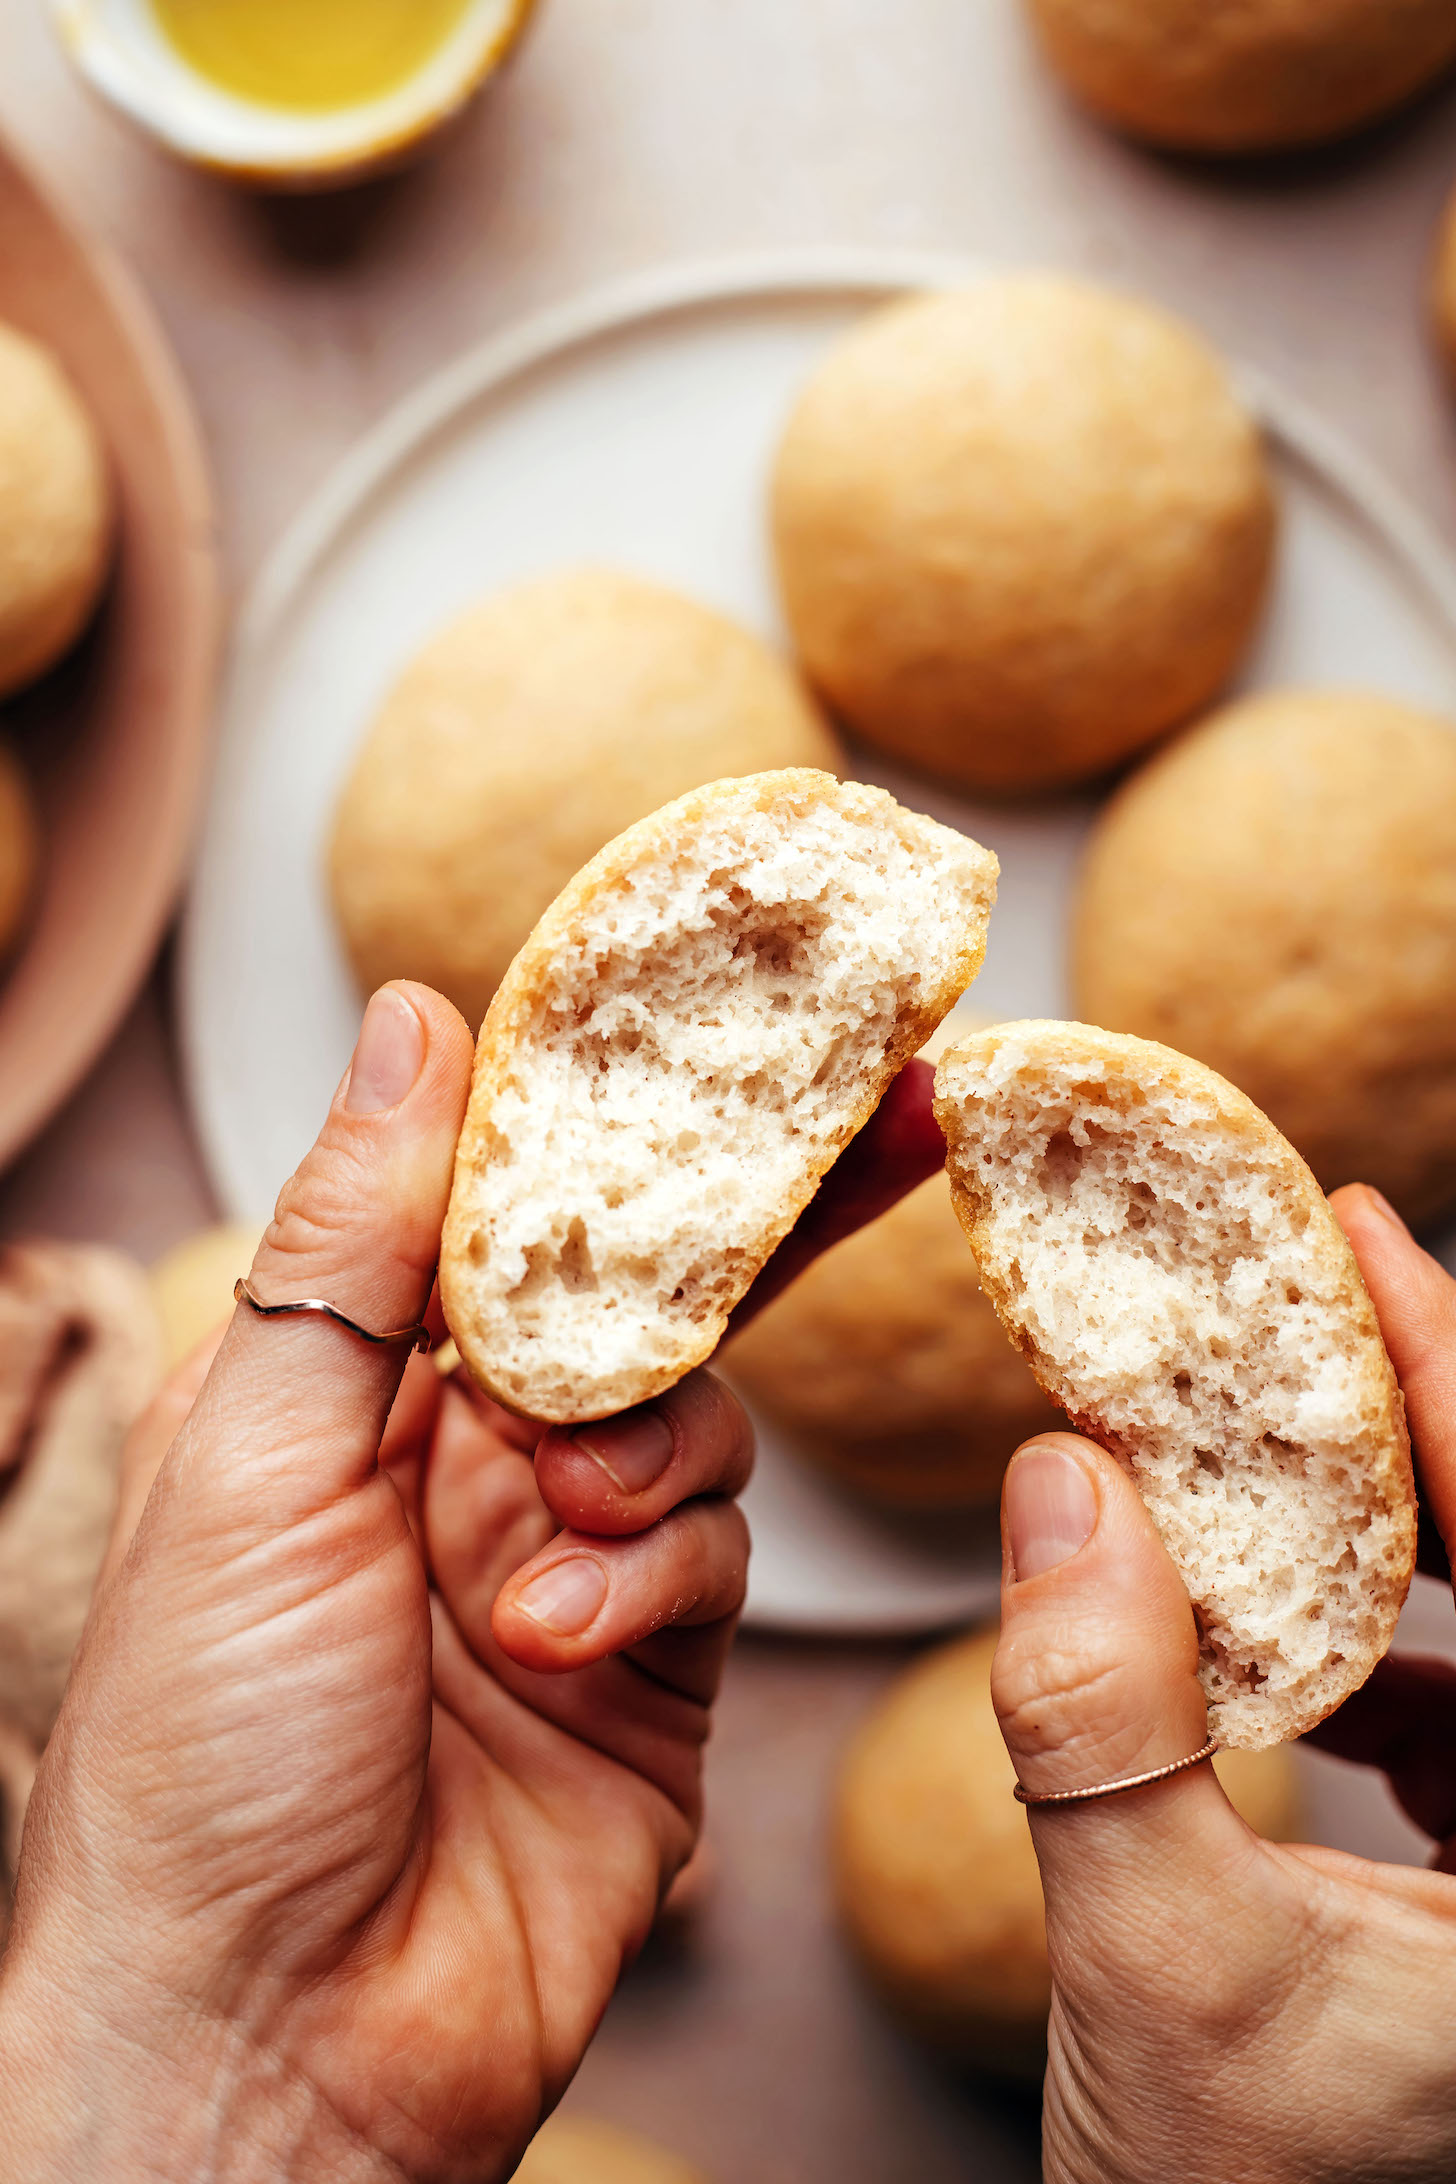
pixel 310 56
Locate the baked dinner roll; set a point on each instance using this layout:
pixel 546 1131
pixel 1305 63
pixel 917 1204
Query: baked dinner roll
pixel 1245 75
pixel 55 511
pixel 693 1033
pixel 579 2150
pixel 524 736
pixel 1176 1280
pixel 935 1874
pixel 1021 530
pixel 192 1284
pixel 19 848
pixel 1276 894
pixel 890 1369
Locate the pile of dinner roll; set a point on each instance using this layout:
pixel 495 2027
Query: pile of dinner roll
pixel 56 534
pixel 1025 536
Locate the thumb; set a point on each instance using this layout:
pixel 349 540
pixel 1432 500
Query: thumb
pixel 290 1415
pixel 1095 1678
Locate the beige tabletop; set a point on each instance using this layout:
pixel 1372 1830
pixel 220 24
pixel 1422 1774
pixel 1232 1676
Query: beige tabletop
pixel 625 134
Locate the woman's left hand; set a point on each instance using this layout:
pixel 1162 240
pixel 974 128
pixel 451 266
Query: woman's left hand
pixel 383 1742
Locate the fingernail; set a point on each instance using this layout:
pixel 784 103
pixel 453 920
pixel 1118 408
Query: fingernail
pixel 1051 1509
pixel 633 1450
pixel 567 1597
pixel 388 1057
pixel 1382 1205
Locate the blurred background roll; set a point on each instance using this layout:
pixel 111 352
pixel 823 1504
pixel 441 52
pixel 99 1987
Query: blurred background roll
pixel 575 2149
pixel 192 1284
pixel 1245 75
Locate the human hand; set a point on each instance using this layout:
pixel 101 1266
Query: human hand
pixel 1225 2010
pixel 383 1744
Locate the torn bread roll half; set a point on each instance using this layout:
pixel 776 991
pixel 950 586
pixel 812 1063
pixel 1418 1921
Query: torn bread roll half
pixel 1177 1282
pixel 697 1027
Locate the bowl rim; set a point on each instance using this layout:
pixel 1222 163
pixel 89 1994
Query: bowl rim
pixel 374 133
pixel 141 918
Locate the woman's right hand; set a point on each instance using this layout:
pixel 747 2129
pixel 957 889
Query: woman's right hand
pixel 1226 2010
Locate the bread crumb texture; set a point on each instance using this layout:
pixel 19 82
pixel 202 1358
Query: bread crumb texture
pixel 703 1019
pixel 1179 1285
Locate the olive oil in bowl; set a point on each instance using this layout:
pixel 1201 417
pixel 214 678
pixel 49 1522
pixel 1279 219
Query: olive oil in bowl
pixel 308 56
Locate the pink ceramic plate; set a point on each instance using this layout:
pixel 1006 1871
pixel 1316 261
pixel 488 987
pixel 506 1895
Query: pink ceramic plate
pixel 116 739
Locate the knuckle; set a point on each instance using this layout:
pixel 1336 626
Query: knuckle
pixel 707 1549
pixel 730 1552
pixel 713 1422
pixel 318 1205
pixel 1067 1691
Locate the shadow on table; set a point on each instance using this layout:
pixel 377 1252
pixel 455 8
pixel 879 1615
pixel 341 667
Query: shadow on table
pixel 1431 113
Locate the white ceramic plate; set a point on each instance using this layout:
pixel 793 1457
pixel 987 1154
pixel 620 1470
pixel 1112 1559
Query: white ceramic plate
pixel 636 428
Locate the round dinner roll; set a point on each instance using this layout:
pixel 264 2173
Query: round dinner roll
pixel 192 1284
pixel 525 736
pixel 1443 290
pixel 1021 529
pixel 935 1874
pixel 19 848
pixel 887 1364
pixel 890 1368
pixel 579 2150
pixel 1276 895
pixel 55 511
pixel 1245 75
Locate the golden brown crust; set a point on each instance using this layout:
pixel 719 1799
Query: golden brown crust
pixel 533 974
pixel 1387 1475
pixel 1020 530
pixel 1276 894
pixel 1245 76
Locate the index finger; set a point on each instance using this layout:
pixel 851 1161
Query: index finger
pixel 620 1475
pixel 1415 1302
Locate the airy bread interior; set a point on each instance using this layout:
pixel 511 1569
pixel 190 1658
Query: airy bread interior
pixel 701 1022
pixel 1181 1288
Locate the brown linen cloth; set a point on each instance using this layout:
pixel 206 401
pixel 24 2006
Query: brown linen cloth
pixel 80 1357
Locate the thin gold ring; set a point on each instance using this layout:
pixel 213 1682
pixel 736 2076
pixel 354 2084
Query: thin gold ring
pixel 1025 1796
pixel 418 1337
